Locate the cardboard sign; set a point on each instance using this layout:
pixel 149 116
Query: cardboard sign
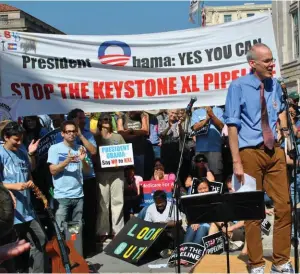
pixel 190 252
pixel 149 187
pixel 117 155
pixel 201 131
pixel 133 241
pixel 213 186
pixel 214 244
pixel 216 186
pixel 266 227
pixel 46 142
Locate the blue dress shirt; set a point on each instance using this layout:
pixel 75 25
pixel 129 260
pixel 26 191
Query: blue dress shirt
pixel 243 108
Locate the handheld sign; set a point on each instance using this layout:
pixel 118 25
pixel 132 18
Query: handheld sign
pixel 133 241
pixel 201 131
pixel 266 227
pixel 189 252
pixel 149 187
pixel 214 244
pixel 216 186
pixel 117 155
pixel 213 186
pixel 46 142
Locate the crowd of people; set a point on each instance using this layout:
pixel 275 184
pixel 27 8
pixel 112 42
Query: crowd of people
pixel 80 190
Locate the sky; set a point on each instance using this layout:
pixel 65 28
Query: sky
pixel 113 17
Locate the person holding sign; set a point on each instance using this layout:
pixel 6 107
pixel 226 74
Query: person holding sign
pixel 110 180
pixel 199 170
pixel 195 232
pixel 67 164
pixel 254 105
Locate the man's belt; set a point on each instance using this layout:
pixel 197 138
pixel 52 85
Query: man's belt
pixel 262 146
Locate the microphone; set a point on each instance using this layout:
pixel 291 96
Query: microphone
pixel 190 105
pixel 283 87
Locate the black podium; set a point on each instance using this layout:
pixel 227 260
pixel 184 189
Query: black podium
pixel 214 207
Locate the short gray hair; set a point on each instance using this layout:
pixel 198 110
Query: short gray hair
pixel 251 53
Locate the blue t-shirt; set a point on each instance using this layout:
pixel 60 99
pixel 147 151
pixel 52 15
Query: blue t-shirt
pixel 15 168
pixel 68 183
pixel 90 137
pixel 210 142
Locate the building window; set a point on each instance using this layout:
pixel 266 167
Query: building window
pixel 296 33
pixel 4 18
pixel 227 18
pixel 250 14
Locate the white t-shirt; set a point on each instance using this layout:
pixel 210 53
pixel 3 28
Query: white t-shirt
pixel 152 215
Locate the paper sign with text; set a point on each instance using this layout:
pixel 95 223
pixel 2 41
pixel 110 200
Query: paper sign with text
pixel 149 187
pixel 117 155
pixel 57 73
pixel 214 244
pixel 133 241
pixel 189 252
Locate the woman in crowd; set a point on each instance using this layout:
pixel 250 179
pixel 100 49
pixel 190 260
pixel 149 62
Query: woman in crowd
pixel 195 232
pixel 159 172
pixel 33 129
pixel 132 198
pixel 111 182
pixel 199 170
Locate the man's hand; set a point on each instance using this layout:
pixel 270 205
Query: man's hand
pixel 11 250
pixel 20 186
pixel 33 146
pixel 195 226
pixel 29 184
pixel 71 158
pixel 82 153
pixel 238 171
pixel 209 112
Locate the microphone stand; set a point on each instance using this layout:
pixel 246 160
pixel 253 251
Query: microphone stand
pixel 176 191
pixel 295 155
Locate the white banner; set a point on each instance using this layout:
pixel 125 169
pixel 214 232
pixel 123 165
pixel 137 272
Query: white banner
pixel 117 155
pixel 8 108
pixel 56 73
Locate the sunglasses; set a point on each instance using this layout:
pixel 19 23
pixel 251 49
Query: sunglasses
pixel 70 131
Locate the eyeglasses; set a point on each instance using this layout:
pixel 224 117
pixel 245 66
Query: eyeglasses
pixel 70 131
pixel 269 61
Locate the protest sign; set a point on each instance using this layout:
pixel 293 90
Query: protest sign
pixel 8 108
pixel 266 227
pixel 189 252
pixel 214 244
pixel 213 186
pixel 149 187
pixel 57 73
pixel 133 241
pixel 216 186
pixel 117 155
pixel 46 142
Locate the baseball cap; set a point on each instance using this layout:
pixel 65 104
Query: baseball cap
pixel 294 95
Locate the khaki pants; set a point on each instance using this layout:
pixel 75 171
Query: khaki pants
pixel 269 170
pixel 111 186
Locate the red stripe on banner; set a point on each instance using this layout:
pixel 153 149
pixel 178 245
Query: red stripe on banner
pixel 114 60
pixel 113 55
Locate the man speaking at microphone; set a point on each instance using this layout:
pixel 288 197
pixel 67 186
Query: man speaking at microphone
pixel 254 104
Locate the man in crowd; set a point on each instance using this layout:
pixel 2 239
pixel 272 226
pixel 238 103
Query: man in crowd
pixel 86 139
pixel 254 104
pixel 67 164
pixel 15 173
pixel 208 124
pixel 158 212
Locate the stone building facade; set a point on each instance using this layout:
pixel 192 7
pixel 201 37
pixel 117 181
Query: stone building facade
pixel 286 28
pixel 223 14
pixel 14 19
